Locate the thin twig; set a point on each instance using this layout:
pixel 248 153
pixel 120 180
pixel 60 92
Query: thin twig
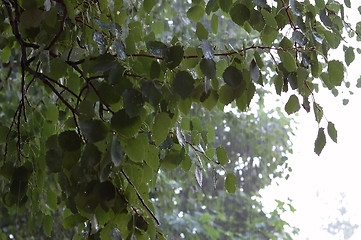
pixel 140 197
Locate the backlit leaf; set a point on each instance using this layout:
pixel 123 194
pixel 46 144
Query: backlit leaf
pixel 214 23
pixel 195 13
pixel 222 155
pixel 230 183
pixel 148 5
pixel 135 148
pixel 201 31
pixel 320 141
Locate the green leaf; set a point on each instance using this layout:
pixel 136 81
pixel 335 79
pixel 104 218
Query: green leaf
pixel 151 92
pixel 211 6
pixel 320 141
pixel 116 152
pixel 230 183
pixel 93 130
pixel 233 77
pixel 201 31
pixel 222 155
pixel 332 132
pixel 349 56
pixel 347 3
pixel 288 61
pixel 269 18
pixel 69 141
pixel 72 220
pixel 292 105
pixel 214 23
pixel 133 102
pixel 48 225
pixel 208 67
pixel 51 200
pixel 173 158
pixel 183 84
pixel 226 94
pixel 152 157
pixel 125 125
pixel 148 5
pixel 174 56
pixel 162 124
pixel 239 13
pixel 53 160
pixel 195 13
pixel 358 84
pixel 268 35
pixel 108 93
pixel 225 5
pixel 317 109
pixel 336 72
pixel 136 148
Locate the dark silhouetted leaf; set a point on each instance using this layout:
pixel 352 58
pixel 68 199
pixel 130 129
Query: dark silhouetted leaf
pixel 125 125
pixel 239 13
pixel 233 77
pixel 69 141
pixel 174 56
pixel 320 141
pixel 93 130
pixel 53 160
pixel 208 67
pixel 183 84
pixel 133 102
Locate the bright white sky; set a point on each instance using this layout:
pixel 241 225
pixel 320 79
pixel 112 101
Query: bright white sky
pixel 316 182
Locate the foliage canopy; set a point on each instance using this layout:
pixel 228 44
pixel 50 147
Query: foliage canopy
pixel 104 90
